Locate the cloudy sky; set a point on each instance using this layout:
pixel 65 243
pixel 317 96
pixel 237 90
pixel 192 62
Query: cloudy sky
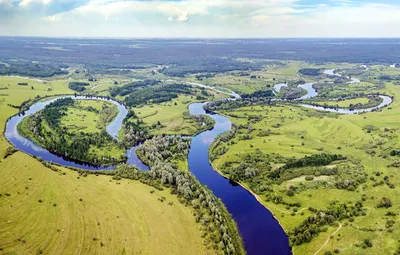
pixel 200 18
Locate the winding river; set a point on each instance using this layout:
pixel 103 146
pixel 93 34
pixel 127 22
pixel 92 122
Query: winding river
pixel 261 232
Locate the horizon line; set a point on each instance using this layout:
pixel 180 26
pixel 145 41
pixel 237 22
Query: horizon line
pixel 188 38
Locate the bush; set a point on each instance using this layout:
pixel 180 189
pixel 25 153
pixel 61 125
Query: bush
pixel 367 243
pixel 78 86
pixel 384 202
pixel 9 151
pixel 309 178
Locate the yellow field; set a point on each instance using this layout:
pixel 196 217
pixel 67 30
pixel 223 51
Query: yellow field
pixel 122 215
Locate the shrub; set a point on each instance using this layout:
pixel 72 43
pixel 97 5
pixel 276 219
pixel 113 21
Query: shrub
pixel 309 178
pixel 384 202
pixel 367 243
pixel 9 151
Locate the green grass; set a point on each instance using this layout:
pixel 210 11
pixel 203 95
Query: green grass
pixel 170 115
pixel 344 135
pixel 80 119
pixel 125 217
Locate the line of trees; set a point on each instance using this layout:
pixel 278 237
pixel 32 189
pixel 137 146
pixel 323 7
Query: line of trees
pixel 218 227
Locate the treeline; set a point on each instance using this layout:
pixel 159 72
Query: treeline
pixel 131 87
pixel 78 86
pixel 323 159
pixel 259 93
pixel 218 227
pixel 388 78
pixel 311 71
pixel 149 91
pixel 107 114
pixel 25 68
pixel 220 105
pixel 211 65
pixel 373 101
pixel 395 153
pixel 156 94
pixel 54 111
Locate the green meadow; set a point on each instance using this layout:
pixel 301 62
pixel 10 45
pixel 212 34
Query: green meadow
pixel 366 141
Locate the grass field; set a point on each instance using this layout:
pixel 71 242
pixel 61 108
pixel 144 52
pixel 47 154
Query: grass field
pixel 297 132
pixel 171 116
pixel 126 218
pixel 345 103
pixel 80 119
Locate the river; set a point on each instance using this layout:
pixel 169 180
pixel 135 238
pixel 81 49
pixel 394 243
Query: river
pixel 331 72
pixel 261 232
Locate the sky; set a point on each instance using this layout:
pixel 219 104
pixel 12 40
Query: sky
pixel 200 18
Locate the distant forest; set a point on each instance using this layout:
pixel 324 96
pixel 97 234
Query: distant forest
pixel 25 68
pixel 191 56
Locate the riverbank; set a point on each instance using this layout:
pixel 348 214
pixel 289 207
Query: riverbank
pixel 258 198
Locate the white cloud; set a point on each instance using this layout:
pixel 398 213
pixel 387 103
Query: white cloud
pixel 25 3
pixel 183 17
pixel 208 18
pixel 53 18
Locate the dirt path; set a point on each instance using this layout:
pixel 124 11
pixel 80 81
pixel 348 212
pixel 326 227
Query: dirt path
pixel 327 241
